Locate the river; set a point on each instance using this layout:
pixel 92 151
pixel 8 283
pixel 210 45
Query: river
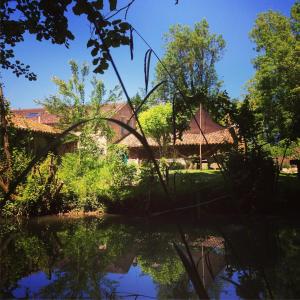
pixel 125 258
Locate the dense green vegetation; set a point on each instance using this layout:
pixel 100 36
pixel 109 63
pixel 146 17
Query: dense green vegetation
pixel 274 90
pixel 157 124
pixel 191 56
pixel 93 180
pixel 263 126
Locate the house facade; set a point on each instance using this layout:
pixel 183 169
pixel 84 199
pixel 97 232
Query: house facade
pixel 119 111
pixel 32 136
pixel 216 138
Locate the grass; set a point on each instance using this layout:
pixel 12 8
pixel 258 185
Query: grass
pixel 195 181
pixel 289 187
pixel 186 187
pixel 196 171
pixel 192 187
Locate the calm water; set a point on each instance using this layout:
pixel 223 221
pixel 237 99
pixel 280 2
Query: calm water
pixel 58 258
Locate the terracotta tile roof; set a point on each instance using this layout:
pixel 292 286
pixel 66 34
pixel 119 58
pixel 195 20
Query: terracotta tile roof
pixel 39 115
pixel 22 123
pixel 207 123
pixel 210 242
pixel 188 138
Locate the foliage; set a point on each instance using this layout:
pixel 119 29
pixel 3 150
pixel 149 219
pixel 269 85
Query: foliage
pixel 137 101
pixel 5 153
pixel 92 179
pixel 78 257
pixel 251 176
pixel 39 194
pixel 280 149
pixel 157 124
pixel 159 259
pixel 72 105
pixel 190 58
pixel 118 174
pixel 275 90
pixel 76 243
pixel 246 130
pixel 19 161
pixel 169 270
pixel 49 20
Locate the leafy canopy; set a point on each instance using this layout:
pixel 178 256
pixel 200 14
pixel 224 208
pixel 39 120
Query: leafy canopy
pixel 275 89
pixel 157 124
pixel 49 20
pixel 190 57
pixel 72 104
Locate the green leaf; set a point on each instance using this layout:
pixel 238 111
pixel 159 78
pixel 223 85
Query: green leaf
pixel 94 52
pixel 90 43
pixel 95 61
pixel 98 4
pixel 99 69
pixel 80 7
pixel 112 4
pixel 124 26
pixel 116 21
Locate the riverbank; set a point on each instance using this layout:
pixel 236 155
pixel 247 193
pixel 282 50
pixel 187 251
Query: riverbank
pixel 205 191
pixel 191 192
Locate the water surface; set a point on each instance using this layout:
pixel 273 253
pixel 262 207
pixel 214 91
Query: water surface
pixel 100 258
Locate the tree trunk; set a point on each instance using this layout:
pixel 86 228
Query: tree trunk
pixel 4 140
pixel 4 131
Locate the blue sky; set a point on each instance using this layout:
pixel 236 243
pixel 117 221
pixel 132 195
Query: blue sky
pixel 152 18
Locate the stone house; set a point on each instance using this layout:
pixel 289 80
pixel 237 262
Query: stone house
pixel 119 111
pixel 217 138
pixel 33 136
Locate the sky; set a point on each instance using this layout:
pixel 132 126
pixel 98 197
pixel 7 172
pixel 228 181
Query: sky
pixel 233 19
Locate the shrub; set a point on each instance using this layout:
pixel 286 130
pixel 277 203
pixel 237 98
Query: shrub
pixel 39 193
pixel 176 165
pixel 91 180
pixel 251 177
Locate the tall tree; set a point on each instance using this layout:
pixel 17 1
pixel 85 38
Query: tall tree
pixel 275 90
pixel 190 57
pixel 72 104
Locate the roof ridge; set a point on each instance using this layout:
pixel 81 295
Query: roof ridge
pixel 23 123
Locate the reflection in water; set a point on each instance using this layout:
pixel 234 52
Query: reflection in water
pixel 104 258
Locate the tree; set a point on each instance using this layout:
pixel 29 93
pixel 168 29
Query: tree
pixel 49 20
pixel 72 104
pixel 190 58
pixel 137 101
pixel 157 124
pixel 274 90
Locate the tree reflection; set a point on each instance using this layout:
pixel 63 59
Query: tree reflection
pixel 80 259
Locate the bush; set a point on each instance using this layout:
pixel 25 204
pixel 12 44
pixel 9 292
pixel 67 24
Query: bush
pixel 176 165
pixel 251 177
pixel 91 180
pixel 39 193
